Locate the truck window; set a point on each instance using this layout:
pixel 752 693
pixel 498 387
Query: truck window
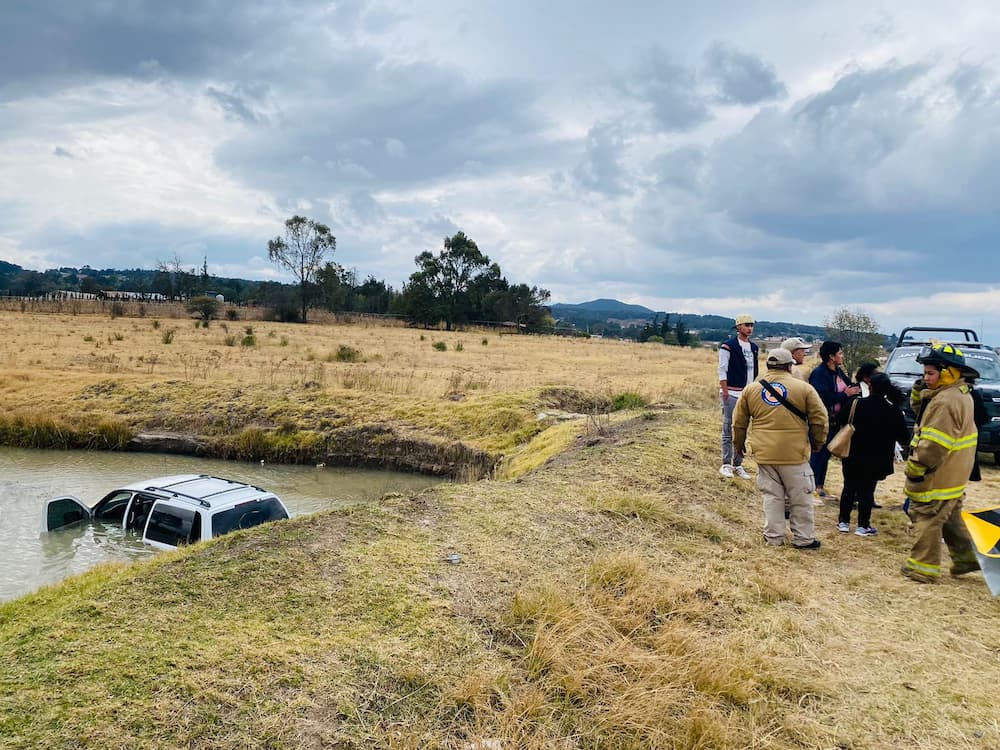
pixel 247 515
pixel 112 507
pixel 173 526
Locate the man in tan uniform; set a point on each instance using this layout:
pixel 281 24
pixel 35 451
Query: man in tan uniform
pixel 783 439
pixel 799 350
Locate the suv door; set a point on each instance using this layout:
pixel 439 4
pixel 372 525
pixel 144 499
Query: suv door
pixel 170 526
pixel 64 511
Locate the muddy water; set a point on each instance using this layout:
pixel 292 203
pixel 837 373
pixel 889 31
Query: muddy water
pixel 28 478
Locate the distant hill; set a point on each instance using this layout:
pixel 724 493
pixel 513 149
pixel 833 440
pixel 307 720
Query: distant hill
pixel 614 317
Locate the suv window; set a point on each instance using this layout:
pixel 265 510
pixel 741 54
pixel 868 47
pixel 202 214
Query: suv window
pixel 247 515
pixel 112 507
pixel 987 363
pixel 904 362
pixel 174 526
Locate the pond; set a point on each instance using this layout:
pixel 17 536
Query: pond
pixel 29 478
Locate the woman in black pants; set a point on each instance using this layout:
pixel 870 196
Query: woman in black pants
pixel 878 426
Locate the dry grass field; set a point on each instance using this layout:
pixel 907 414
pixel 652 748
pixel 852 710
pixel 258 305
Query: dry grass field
pixel 614 592
pixel 298 384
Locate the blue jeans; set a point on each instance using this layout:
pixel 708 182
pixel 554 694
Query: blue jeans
pixel 821 459
pixel 730 455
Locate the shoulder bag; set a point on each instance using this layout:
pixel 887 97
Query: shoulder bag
pixel 840 444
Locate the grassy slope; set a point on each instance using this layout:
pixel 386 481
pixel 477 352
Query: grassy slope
pixel 616 597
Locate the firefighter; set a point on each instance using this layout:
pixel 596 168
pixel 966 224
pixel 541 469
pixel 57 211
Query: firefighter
pixel 942 452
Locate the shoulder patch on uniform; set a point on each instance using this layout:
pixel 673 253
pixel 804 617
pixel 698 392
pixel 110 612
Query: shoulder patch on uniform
pixel 770 400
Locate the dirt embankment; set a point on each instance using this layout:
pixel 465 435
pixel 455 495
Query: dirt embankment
pixel 372 446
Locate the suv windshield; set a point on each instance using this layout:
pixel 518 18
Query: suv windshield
pixel 904 362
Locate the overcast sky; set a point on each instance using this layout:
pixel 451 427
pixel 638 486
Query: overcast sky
pixel 778 158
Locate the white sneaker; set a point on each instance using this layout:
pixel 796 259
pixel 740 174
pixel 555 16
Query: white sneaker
pixel 843 528
pixel 726 471
pixel 740 472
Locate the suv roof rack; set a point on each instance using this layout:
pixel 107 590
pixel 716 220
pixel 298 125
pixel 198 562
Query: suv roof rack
pixel 203 501
pixel 966 337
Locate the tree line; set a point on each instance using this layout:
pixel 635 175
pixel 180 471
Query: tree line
pixel 456 286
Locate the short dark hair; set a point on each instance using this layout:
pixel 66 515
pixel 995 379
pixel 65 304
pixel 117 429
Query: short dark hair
pixel 866 370
pixel 828 349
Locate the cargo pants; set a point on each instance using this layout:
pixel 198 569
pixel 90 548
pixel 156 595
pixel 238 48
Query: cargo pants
pixel 791 484
pixel 931 522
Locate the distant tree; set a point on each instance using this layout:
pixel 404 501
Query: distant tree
pixel 162 284
pixel 183 281
pixel 89 285
pixel 279 299
pixel 681 334
pixel 442 285
pixel 858 333
pixel 334 286
pixel 206 308
pixel 301 251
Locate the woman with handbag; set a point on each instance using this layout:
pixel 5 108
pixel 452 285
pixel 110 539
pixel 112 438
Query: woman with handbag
pixel 878 425
pixel 834 387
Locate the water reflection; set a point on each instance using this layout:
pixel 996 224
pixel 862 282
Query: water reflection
pixel 29 478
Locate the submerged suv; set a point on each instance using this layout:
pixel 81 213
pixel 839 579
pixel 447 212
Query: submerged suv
pixel 174 510
pixel 902 367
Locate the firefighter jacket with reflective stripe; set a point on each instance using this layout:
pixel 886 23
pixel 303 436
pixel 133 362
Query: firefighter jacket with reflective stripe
pixel 779 437
pixel 943 447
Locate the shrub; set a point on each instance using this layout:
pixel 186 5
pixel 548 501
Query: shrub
pixel 485 342
pixel 347 354
pixel 459 346
pixel 627 400
pixel 230 339
pixel 439 346
pixel 249 339
pixel 156 324
pixel 654 340
pixel 168 336
pixel 88 338
pixel 205 307
pixel 117 309
pixel 232 314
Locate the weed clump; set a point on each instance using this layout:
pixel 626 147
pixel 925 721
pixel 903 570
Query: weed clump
pixel 439 346
pixel 627 400
pixel 347 353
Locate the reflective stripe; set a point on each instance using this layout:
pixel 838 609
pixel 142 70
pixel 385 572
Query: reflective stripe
pixel 927 570
pixel 945 440
pixel 942 493
pixel 915 469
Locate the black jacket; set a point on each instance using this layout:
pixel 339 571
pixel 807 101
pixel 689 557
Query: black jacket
pixel 878 426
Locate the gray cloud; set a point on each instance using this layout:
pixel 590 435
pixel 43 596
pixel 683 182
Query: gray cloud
pixel 601 169
pixel 62 153
pixel 233 105
pixel 403 124
pixel 741 78
pixel 668 88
